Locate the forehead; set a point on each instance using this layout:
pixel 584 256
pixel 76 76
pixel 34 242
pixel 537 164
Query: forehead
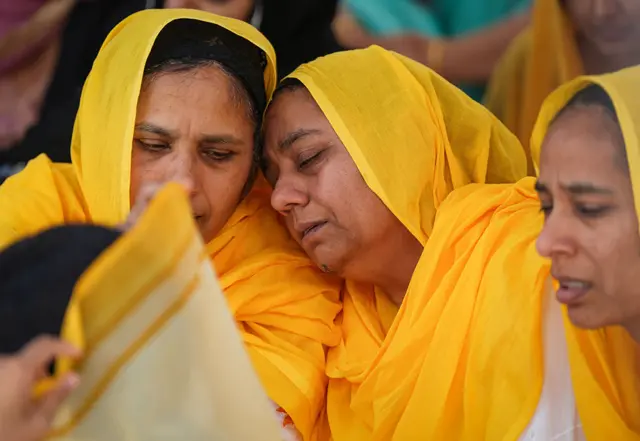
pixel 202 94
pixel 293 110
pixel 583 143
pixel 205 81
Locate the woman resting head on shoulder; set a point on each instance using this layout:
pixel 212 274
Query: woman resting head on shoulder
pixel 363 149
pixel 178 95
pixel 588 187
pixel 360 160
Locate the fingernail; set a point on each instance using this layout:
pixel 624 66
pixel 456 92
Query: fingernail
pixel 72 380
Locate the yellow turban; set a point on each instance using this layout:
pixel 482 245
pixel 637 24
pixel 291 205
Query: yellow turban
pixel 284 308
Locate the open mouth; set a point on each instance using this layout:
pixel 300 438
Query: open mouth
pixel 571 290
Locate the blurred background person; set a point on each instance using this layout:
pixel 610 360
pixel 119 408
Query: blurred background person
pixel 299 30
pixel 567 38
pixel 47 48
pixel 462 40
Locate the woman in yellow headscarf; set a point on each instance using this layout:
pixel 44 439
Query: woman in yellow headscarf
pixel 390 177
pixel 567 38
pixel 177 95
pixel 588 187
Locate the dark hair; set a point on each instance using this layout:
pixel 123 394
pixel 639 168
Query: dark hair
pixel 38 275
pixel 594 95
pixel 184 45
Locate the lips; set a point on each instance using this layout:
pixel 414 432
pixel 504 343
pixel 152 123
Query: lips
pixel 571 290
pixel 308 229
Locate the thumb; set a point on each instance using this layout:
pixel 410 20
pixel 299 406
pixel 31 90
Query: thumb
pixel 48 405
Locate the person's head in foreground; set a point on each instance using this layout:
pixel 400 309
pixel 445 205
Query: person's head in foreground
pixel 37 278
pixel 588 191
pixel 362 147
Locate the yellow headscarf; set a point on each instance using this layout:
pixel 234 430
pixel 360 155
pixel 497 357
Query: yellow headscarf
pixel 284 308
pixel 540 59
pixel 604 363
pixel 415 373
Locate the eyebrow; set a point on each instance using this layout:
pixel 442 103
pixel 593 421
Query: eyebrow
pixel 585 188
pixel 295 136
pixel 206 138
pixel 576 188
pixel 152 128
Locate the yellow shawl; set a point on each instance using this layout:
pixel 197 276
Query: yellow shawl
pixel 604 364
pixel 540 59
pixel 162 355
pixel 415 138
pixel 284 308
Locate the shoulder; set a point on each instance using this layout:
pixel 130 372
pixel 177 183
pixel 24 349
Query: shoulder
pixel 40 196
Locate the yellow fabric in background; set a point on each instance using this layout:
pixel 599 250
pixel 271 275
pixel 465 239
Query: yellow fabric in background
pixel 415 138
pixel 542 58
pixel 283 306
pixel 604 363
pixel 163 359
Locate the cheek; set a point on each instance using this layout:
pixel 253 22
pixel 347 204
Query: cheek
pixel 616 253
pixel 144 169
pixel 223 186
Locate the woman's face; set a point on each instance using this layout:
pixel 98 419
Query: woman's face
pixel 329 209
pixel 591 228
pixel 193 128
pixel 612 25
pixel 238 9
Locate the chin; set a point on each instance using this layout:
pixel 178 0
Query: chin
pixel 322 257
pixel 589 316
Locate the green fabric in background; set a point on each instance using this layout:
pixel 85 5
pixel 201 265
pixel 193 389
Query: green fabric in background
pixel 433 18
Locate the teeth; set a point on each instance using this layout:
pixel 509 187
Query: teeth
pixel 574 284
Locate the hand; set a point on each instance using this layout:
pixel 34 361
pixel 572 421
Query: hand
pixel 144 196
pixel 22 416
pixel 413 46
pixel 238 9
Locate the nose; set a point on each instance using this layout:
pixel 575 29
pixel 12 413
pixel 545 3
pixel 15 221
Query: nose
pixel 183 170
pixel 555 238
pixel 603 10
pixel 287 194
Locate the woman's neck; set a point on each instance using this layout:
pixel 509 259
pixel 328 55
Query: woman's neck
pixel 391 270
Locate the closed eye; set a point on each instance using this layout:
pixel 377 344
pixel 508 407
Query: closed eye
pixel 153 145
pixel 592 211
pixel 218 155
pixel 304 163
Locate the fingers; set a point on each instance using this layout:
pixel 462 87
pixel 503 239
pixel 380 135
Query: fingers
pixel 39 354
pixel 147 192
pixel 49 403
